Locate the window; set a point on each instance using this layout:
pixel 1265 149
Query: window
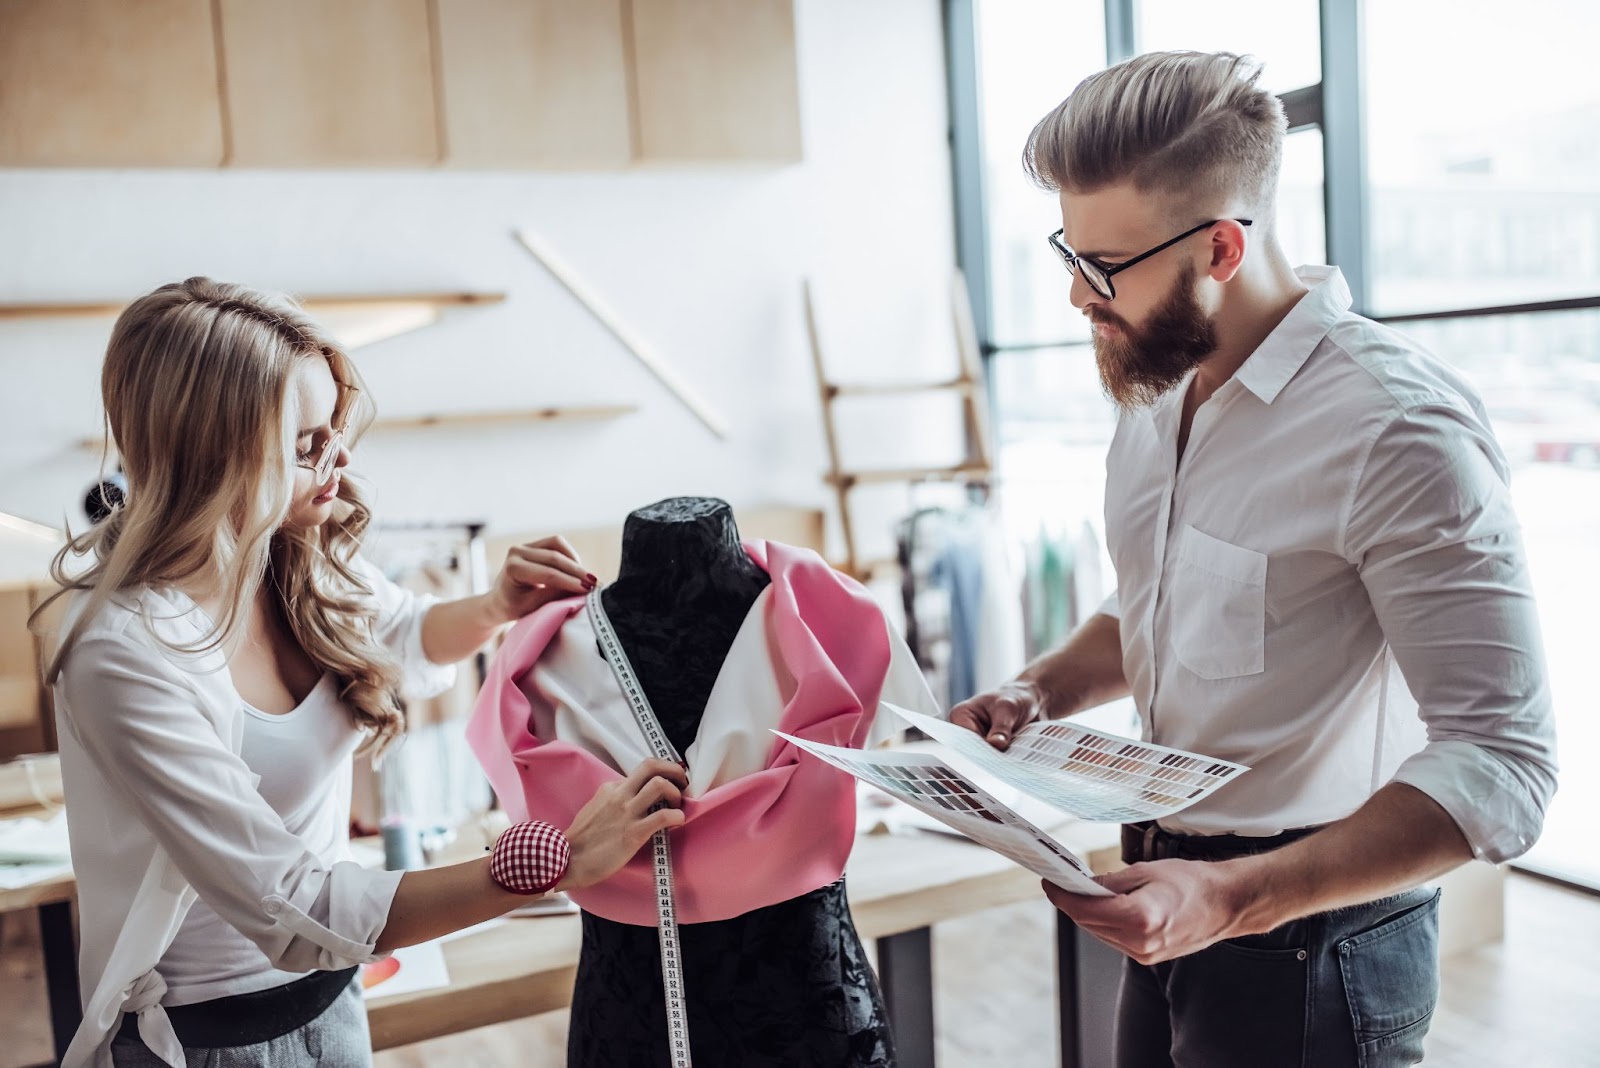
pixel 1302 216
pixel 1032 53
pixel 1483 165
pixel 1283 34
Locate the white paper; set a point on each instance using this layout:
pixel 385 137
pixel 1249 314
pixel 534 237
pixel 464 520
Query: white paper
pixel 15 876
pixel 34 841
pixel 938 790
pixel 410 968
pixel 1087 773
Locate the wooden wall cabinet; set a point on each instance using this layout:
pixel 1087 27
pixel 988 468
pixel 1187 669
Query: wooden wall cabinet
pixel 316 84
pixel 107 83
pixel 534 84
pixel 716 80
pixel 529 84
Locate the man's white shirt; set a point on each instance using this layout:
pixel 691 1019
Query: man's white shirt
pixel 1341 509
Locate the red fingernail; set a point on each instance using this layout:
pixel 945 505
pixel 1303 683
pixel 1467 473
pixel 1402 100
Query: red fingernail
pixel 591 580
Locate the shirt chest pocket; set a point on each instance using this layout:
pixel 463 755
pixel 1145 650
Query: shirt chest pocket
pixel 1218 606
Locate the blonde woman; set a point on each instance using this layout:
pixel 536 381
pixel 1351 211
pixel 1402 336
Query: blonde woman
pixel 224 652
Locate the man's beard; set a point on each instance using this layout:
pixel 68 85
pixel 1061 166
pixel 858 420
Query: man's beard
pixel 1139 366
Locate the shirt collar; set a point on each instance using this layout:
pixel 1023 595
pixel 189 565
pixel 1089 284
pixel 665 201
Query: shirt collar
pixel 1280 357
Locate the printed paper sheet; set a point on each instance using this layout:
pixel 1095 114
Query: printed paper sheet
pixel 933 787
pixel 1087 773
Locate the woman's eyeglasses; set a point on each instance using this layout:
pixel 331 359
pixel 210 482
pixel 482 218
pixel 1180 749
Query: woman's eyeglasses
pixel 322 462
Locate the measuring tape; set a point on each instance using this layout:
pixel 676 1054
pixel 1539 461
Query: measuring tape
pixel 661 849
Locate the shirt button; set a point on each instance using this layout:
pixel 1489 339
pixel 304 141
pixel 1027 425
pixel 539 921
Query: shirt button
pixel 272 908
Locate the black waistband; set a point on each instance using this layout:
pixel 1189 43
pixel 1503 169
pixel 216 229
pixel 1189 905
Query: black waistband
pixel 257 1016
pixel 1147 841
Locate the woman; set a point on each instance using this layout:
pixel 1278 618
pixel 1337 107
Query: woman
pixel 223 655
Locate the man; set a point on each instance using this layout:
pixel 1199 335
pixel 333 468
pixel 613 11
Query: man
pixel 1298 501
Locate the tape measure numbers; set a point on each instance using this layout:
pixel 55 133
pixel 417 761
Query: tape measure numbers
pixel 661 848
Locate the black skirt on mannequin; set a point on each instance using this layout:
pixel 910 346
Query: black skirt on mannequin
pixel 783 986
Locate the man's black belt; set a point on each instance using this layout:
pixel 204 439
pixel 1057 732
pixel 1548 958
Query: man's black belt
pixel 1147 841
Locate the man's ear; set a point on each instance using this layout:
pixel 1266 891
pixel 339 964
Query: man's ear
pixel 1228 242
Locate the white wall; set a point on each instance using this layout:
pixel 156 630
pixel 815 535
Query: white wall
pixel 706 263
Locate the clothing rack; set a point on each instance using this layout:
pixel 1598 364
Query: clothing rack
pixel 430 782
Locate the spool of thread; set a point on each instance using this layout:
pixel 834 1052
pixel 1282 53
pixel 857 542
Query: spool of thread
pixel 402 845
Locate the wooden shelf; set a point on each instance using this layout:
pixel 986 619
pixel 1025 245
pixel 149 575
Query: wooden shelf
pixel 890 389
pixel 911 474
pixel 531 415
pixel 575 414
pixel 354 320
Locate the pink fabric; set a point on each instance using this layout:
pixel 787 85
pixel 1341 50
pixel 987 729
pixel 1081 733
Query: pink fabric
pixel 767 837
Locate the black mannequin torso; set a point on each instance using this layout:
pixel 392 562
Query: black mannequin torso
pixel 787 983
pixel 685 588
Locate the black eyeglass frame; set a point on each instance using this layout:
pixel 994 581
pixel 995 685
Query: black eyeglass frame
pixel 1071 259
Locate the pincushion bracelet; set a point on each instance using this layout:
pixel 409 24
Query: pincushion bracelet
pixel 530 858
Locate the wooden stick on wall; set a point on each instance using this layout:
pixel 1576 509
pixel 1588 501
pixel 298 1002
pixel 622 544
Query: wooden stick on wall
pixel 614 325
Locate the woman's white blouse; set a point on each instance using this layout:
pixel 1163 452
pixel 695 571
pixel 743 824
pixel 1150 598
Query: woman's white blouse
pixel 161 807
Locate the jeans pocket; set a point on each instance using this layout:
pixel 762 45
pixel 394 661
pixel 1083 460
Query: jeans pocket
pixel 1239 1003
pixel 1391 981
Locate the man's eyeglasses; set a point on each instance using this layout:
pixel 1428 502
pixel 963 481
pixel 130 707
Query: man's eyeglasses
pixel 321 463
pixel 1098 275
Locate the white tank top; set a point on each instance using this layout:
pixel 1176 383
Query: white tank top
pixel 303 757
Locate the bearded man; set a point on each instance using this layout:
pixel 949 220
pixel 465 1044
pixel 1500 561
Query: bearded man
pixel 1319 575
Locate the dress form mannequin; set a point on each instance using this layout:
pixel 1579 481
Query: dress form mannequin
pixel 785 984
pixel 683 591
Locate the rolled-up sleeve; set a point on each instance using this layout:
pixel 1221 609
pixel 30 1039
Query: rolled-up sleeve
pixel 1111 606
pixel 399 627
pixel 145 729
pixel 1432 530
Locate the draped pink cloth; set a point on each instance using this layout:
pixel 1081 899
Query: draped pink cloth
pixel 762 838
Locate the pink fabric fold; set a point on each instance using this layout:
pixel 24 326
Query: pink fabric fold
pixel 763 838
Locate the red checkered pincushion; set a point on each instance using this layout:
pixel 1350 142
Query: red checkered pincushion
pixel 529 858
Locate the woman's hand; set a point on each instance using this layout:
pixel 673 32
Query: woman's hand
pixel 618 820
pixel 535 574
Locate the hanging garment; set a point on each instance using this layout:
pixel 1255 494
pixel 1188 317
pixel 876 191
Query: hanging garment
pixel 1088 580
pixel 1000 650
pixel 959 570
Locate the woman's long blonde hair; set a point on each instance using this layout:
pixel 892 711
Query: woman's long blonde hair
pixel 196 387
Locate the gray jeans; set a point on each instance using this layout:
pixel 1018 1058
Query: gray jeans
pixel 1351 988
pixel 336 1039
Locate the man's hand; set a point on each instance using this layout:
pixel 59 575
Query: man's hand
pixel 999 714
pixel 1163 909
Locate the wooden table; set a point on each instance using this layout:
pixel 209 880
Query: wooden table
pixel 53 900
pixel 900 885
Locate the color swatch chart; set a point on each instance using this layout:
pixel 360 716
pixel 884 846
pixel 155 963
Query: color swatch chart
pixel 1087 773
pixel 944 793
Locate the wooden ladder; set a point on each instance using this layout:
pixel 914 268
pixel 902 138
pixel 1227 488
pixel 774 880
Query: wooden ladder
pixel 977 464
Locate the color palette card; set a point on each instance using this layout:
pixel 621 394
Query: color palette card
pixel 933 787
pixel 1087 773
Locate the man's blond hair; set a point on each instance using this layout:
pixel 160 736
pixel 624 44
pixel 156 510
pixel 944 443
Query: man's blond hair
pixel 1193 125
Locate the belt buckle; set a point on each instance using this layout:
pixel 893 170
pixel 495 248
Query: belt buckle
pixel 1148 851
